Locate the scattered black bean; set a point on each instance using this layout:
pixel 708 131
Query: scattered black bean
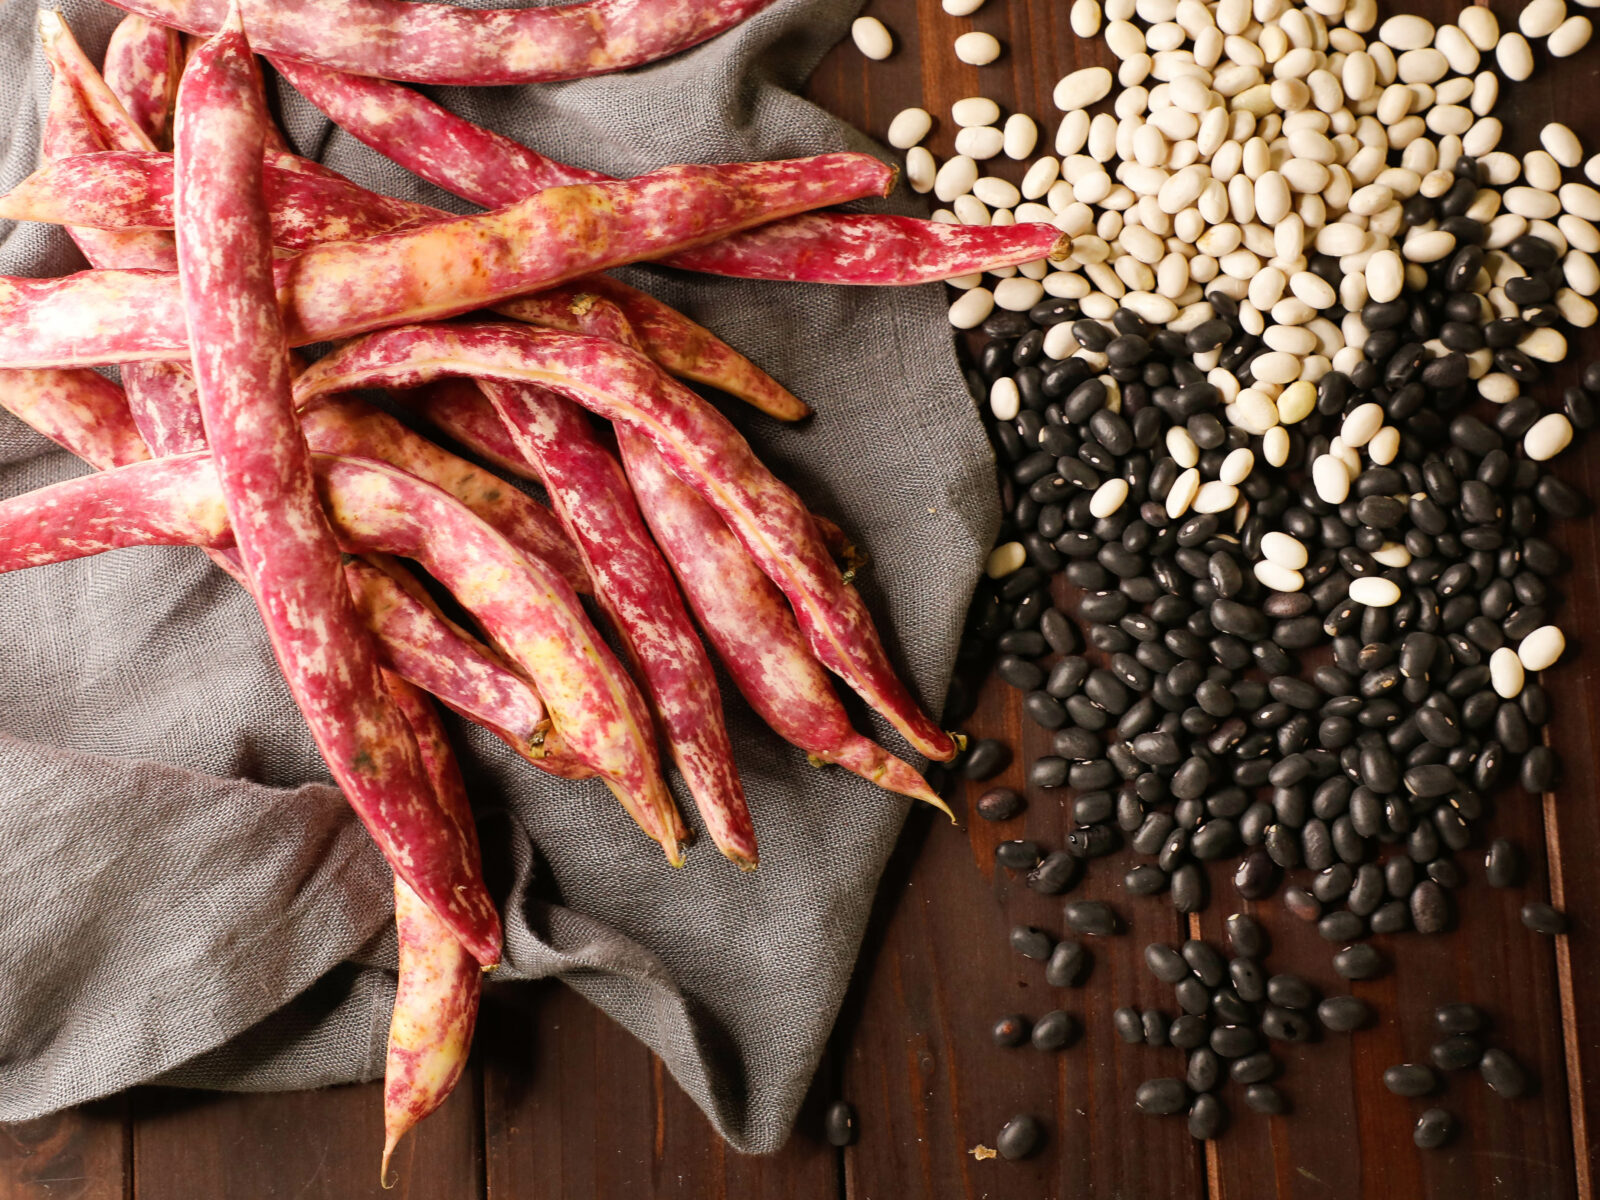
pixel 1265 1099
pixel 999 804
pixel 1342 1014
pixel 1054 1030
pixel 1161 1097
pixel 839 1123
pixel 1068 965
pixel 1206 1118
pixel 1056 872
pixel 1010 1031
pixel 1093 918
pixel 1543 918
pixel 1456 1053
pixel 1031 943
pixel 1503 1074
pixel 1129 1025
pixel 1361 961
pixel 1019 855
pixel 1459 1018
pixel 1434 1128
pixel 1410 1079
pixel 985 758
pixel 1019 1137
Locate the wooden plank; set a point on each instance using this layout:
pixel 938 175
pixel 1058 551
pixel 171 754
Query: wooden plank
pixel 919 1064
pixel 319 1145
pixel 81 1154
pixel 575 1106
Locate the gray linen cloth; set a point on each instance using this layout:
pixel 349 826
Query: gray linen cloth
pixel 183 896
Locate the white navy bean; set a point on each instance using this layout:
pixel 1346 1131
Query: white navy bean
pixel 1275 446
pixel 1541 18
pixel 979 142
pixel 1374 591
pixel 1550 435
pixel 1236 467
pixel 1215 496
pixel 972 308
pixel 872 38
pixel 1082 88
pixel 1569 37
pixel 1285 550
pixel 974 110
pixel 1278 578
pixel 1019 294
pixel 1021 136
pixel 1004 559
pixel 997 192
pixel 955 178
pixel 1184 490
pixel 1108 497
pixel 1540 650
pixel 920 169
pixel 977 49
pixel 909 127
pixel 1506 673
pixel 1085 18
pixel 1329 476
pixel 1362 424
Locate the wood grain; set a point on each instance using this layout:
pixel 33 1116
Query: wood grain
pixel 562 1103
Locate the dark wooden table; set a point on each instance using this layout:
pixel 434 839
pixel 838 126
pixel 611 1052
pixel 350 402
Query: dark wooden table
pixel 560 1102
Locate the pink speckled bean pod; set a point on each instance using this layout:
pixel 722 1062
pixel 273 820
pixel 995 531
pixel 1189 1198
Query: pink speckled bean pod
pixel 436 995
pixel 128 190
pixel 289 554
pixel 88 415
pixel 524 606
pixel 743 614
pixel 144 61
pixel 341 289
pixel 634 586
pixel 489 169
pixel 121 190
pixel 699 445
pixel 439 43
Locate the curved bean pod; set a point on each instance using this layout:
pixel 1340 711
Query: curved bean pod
pixel 524 606
pixel 698 444
pixel 343 288
pixel 633 584
pixel 143 63
pixel 489 169
pixel 89 416
pixel 289 554
pixel 439 43
pixel 436 996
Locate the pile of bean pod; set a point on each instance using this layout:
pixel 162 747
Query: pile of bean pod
pixel 1274 570
pixel 215 249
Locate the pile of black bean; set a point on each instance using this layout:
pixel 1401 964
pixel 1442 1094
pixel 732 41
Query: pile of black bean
pixel 1231 1014
pixel 1183 711
pixel 1203 717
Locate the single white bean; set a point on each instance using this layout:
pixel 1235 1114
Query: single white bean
pixel 1021 136
pixel 909 127
pixel 1506 673
pixel 1236 467
pixel 979 142
pixel 1550 435
pixel 1540 650
pixel 1004 559
pixel 1215 496
pixel 997 192
pixel 1569 37
pixel 872 38
pixel 1562 144
pixel 921 170
pixel 1541 18
pixel 1278 578
pixel 972 308
pixel 1275 446
pixel 1362 424
pixel 1514 57
pixel 974 110
pixel 1108 497
pixel 1005 401
pixel 962 8
pixel 1374 591
pixel 977 49
pixel 1329 476
pixel 955 178
pixel 1285 550
pixel 1082 88
pixel 1184 490
pixel 1085 18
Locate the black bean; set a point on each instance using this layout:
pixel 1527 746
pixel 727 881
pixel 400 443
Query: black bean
pixel 1391 917
pixel 1031 943
pixel 1010 1031
pixel 1430 908
pixel 1018 855
pixel 1290 991
pixel 1410 1079
pixel 1092 917
pixel 1189 1031
pixel 1342 1014
pixel 1145 880
pixel 1456 1053
pixel 999 804
pixel 1165 963
pixel 1434 1128
pixel 1206 1118
pixel 1256 876
pixel 1543 918
pixel 1286 1025
pixel 1246 937
pixel 1054 1030
pixel 1234 1041
pixel 985 758
pixel 1265 1099
pixel 839 1124
pixel 1361 961
pixel 1189 888
pixel 1204 960
pixel 1459 1018
pixel 1342 926
pixel 1129 1025
pixel 1161 1097
pixel 1019 1137
pixel 1503 1074
pixel 1155 1026
pixel 1204 1070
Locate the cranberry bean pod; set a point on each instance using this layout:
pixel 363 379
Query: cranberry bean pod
pixel 526 608
pixel 143 63
pixel 436 996
pixel 635 587
pixel 698 444
pixel 439 43
pixel 488 169
pixel 289 554
pixel 344 288
pixel 89 416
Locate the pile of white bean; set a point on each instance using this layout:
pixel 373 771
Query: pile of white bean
pixel 1247 133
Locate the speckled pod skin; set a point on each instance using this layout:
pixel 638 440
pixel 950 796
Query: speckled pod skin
pixel 488 169
pixel 744 615
pixel 84 412
pixel 341 289
pixel 132 190
pixel 143 63
pixel 289 554
pixel 528 610
pixel 441 44
pixel 635 587
pixel 436 996
pixel 697 443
